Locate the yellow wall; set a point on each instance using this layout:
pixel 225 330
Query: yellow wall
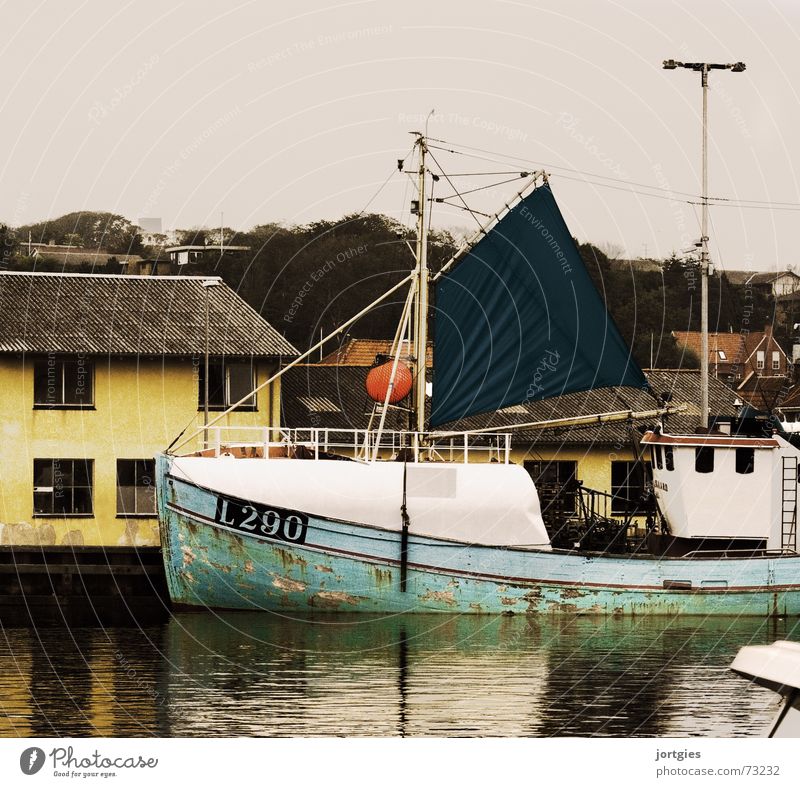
pixel 140 407
pixel 594 461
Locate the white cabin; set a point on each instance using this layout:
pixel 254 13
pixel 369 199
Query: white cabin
pixel 727 488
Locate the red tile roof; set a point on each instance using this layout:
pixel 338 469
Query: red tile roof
pixel 362 352
pixel 732 344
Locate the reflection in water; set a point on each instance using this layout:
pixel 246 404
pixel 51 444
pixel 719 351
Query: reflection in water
pixel 258 674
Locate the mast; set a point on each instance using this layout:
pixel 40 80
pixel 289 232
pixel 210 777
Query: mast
pixel 704 262
pixel 704 68
pixel 421 305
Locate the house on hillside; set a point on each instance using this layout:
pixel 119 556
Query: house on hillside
pixel 774 283
pixel 100 372
pixel 754 364
pixel 604 457
pixel 74 256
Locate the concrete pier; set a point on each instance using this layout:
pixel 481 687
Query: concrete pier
pixel 104 585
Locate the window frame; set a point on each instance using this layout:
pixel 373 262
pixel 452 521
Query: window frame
pixel 566 472
pixel 150 514
pixel 776 361
pixel 214 364
pixel 62 363
pixel 761 359
pixel 632 486
pixel 40 490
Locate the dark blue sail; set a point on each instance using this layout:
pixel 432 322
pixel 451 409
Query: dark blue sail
pixel 518 319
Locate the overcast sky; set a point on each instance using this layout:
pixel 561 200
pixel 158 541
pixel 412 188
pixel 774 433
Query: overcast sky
pixel 297 111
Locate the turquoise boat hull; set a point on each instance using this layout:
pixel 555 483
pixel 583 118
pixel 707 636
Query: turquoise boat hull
pixel 343 566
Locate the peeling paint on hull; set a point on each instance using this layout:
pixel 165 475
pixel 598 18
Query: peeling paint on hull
pixel 350 568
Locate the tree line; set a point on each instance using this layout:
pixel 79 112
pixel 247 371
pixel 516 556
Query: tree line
pixel 308 279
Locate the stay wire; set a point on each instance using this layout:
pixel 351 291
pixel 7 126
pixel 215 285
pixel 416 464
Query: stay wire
pixel 499 158
pixel 452 186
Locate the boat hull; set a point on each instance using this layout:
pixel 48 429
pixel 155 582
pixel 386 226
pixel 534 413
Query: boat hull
pixel 343 566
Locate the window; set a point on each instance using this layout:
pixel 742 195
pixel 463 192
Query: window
pixel 776 361
pixel 136 490
pixel 657 456
pixel 669 457
pixel 760 356
pixel 722 356
pixel 745 460
pixel 704 459
pixel 629 487
pixel 228 382
pixel 62 487
pixel 63 383
pixel 556 484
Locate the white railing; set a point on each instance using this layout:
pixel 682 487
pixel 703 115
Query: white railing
pixel 359 444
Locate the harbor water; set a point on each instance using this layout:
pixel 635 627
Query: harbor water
pixel 250 674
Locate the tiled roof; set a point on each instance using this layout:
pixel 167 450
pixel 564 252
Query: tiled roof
pixel 732 344
pixel 682 386
pixel 344 385
pixel 768 278
pixel 737 277
pixel 792 398
pixel 764 392
pixel 750 277
pixel 362 352
pixel 129 315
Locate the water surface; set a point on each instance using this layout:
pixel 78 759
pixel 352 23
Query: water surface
pixel 259 674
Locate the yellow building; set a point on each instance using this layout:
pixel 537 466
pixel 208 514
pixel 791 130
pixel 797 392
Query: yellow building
pixel 97 374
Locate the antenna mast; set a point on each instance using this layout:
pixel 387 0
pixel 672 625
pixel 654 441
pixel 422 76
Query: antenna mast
pixel 421 310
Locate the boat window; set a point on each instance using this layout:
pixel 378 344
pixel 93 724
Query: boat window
pixel 704 459
pixel 669 457
pixel 658 458
pixel 745 460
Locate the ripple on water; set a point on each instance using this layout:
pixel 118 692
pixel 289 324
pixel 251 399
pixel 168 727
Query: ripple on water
pixel 258 674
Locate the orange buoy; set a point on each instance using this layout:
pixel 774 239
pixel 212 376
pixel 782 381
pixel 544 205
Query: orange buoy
pixel 378 382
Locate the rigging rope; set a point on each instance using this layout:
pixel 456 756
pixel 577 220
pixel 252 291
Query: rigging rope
pixel 668 193
pixel 452 186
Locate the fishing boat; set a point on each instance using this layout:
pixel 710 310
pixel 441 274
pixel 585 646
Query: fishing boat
pixel 433 519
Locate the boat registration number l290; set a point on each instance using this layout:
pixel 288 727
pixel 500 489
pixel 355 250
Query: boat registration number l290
pixel 262 522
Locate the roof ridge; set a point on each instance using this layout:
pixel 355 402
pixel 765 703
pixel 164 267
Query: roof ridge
pixel 76 275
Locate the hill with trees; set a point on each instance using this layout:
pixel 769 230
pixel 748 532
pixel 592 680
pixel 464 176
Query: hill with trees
pixel 308 279
pixel 86 229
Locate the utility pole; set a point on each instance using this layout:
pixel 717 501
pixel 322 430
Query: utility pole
pixel 703 69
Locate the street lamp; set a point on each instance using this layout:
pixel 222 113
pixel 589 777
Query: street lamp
pixel 704 68
pixel 208 285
